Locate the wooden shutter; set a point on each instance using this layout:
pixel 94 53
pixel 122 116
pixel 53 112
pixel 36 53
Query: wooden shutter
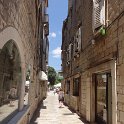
pixel 98 13
pixel 44 45
pixel 76 42
pixel 102 12
pixel 67 55
pixel 74 46
pixel 79 39
pixel 70 51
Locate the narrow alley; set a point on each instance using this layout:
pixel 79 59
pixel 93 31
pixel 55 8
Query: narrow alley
pixel 50 113
pixel 74 47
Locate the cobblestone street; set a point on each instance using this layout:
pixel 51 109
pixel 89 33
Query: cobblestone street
pixel 50 113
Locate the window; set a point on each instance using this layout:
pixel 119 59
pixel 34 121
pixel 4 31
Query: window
pixel 70 45
pixel 67 57
pixel 98 14
pixel 76 83
pixel 68 87
pixel 77 41
pixel 69 54
pixel 74 46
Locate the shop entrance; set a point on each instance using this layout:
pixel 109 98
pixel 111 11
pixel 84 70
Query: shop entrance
pixel 103 98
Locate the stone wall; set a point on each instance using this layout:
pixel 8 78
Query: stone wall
pixel 21 16
pixel 104 50
pixel 120 72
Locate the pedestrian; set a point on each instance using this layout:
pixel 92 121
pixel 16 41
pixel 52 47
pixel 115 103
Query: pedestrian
pixel 61 98
pixel 57 90
pixel 12 95
pixel 54 91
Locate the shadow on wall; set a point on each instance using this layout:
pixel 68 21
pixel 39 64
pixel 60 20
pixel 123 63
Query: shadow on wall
pixel 37 113
pixel 74 112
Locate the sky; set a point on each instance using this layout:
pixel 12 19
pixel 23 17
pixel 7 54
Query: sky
pixel 57 11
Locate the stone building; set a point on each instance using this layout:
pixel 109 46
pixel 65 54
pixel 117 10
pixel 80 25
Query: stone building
pixel 24 27
pixel 93 59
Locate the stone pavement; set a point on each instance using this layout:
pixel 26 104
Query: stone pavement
pixel 50 113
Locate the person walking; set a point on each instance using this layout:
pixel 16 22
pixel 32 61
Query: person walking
pixel 54 91
pixel 61 98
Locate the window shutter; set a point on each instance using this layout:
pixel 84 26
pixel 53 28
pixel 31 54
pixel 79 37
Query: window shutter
pixel 102 13
pixel 74 46
pixel 79 39
pixel 98 13
pixel 70 51
pixel 76 42
pixel 44 45
pixel 68 55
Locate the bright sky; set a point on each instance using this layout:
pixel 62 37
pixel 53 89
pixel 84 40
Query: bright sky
pixel 57 11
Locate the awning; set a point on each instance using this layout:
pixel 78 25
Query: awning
pixel 42 76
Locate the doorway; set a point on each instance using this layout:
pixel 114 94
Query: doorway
pixel 77 91
pixel 103 98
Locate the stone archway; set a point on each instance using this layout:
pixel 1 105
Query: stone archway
pixel 11 34
pixel 10 72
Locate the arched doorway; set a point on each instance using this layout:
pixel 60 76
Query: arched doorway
pixel 10 78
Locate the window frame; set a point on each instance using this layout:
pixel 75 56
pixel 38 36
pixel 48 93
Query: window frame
pixel 78 40
pixel 76 84
pixel 68 87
